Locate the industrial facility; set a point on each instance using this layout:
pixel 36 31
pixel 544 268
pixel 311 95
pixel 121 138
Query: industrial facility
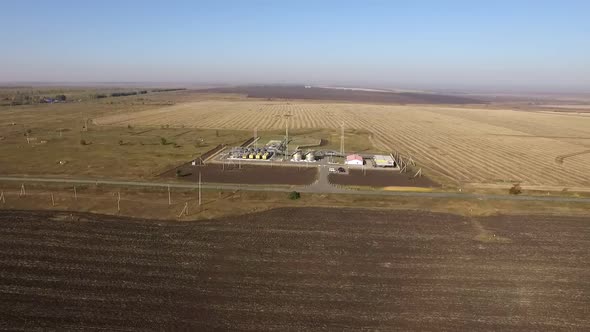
pixel 277 151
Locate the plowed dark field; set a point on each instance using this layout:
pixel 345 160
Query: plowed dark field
pixel 300 92
pixel 245 174
pixel 379 178
pixel 295 269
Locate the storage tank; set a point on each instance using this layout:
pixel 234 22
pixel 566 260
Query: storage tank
pixel 297 156
pixel 310 156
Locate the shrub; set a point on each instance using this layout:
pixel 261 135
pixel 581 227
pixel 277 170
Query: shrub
pixel 83 142
pixel 178 173
pixel 294 195
pixel 515 189
pixel 163 141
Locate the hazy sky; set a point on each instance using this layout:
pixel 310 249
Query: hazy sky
pixel 538 44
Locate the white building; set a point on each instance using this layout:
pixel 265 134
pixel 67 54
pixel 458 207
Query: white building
pixel 354 159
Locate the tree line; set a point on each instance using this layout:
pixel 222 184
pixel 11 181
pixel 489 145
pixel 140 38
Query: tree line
pixel 132 93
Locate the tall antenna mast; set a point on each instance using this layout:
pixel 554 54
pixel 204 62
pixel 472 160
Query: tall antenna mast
pixel 287 138
pixel 342 139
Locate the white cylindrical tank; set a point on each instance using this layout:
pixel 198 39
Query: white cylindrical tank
pixel 297 156
pixel 310 156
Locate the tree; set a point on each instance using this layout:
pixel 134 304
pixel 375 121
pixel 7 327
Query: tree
pixel 83 142
pixel 163 141
pixel 294 195
pixel 61 97
pixel 178 173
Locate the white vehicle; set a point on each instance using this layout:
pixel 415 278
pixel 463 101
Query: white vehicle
pixel 332 169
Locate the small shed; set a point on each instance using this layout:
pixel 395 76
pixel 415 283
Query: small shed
pixel 383 160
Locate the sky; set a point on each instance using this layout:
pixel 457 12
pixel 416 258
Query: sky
pixel 404 44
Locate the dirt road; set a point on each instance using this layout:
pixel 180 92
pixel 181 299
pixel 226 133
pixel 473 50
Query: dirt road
pixel 320 186
pixel 295 269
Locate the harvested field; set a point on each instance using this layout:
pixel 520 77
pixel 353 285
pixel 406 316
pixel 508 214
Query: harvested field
pixel 379 178
pixel 295 269
pixel 359 96
pixel 458 145
pixel 245 174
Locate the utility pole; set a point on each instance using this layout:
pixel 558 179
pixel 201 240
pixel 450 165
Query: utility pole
pixel 2 198
pixel 75 193
pixel 23 192
pixel 199 189
pixel 169 197
pixel 184 210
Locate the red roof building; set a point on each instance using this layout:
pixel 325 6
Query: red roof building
pixel 354 159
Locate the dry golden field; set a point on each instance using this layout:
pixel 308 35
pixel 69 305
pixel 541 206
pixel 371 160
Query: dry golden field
pixel 463 145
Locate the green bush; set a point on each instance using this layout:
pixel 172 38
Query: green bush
pixel 515 189
pixel 294 195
